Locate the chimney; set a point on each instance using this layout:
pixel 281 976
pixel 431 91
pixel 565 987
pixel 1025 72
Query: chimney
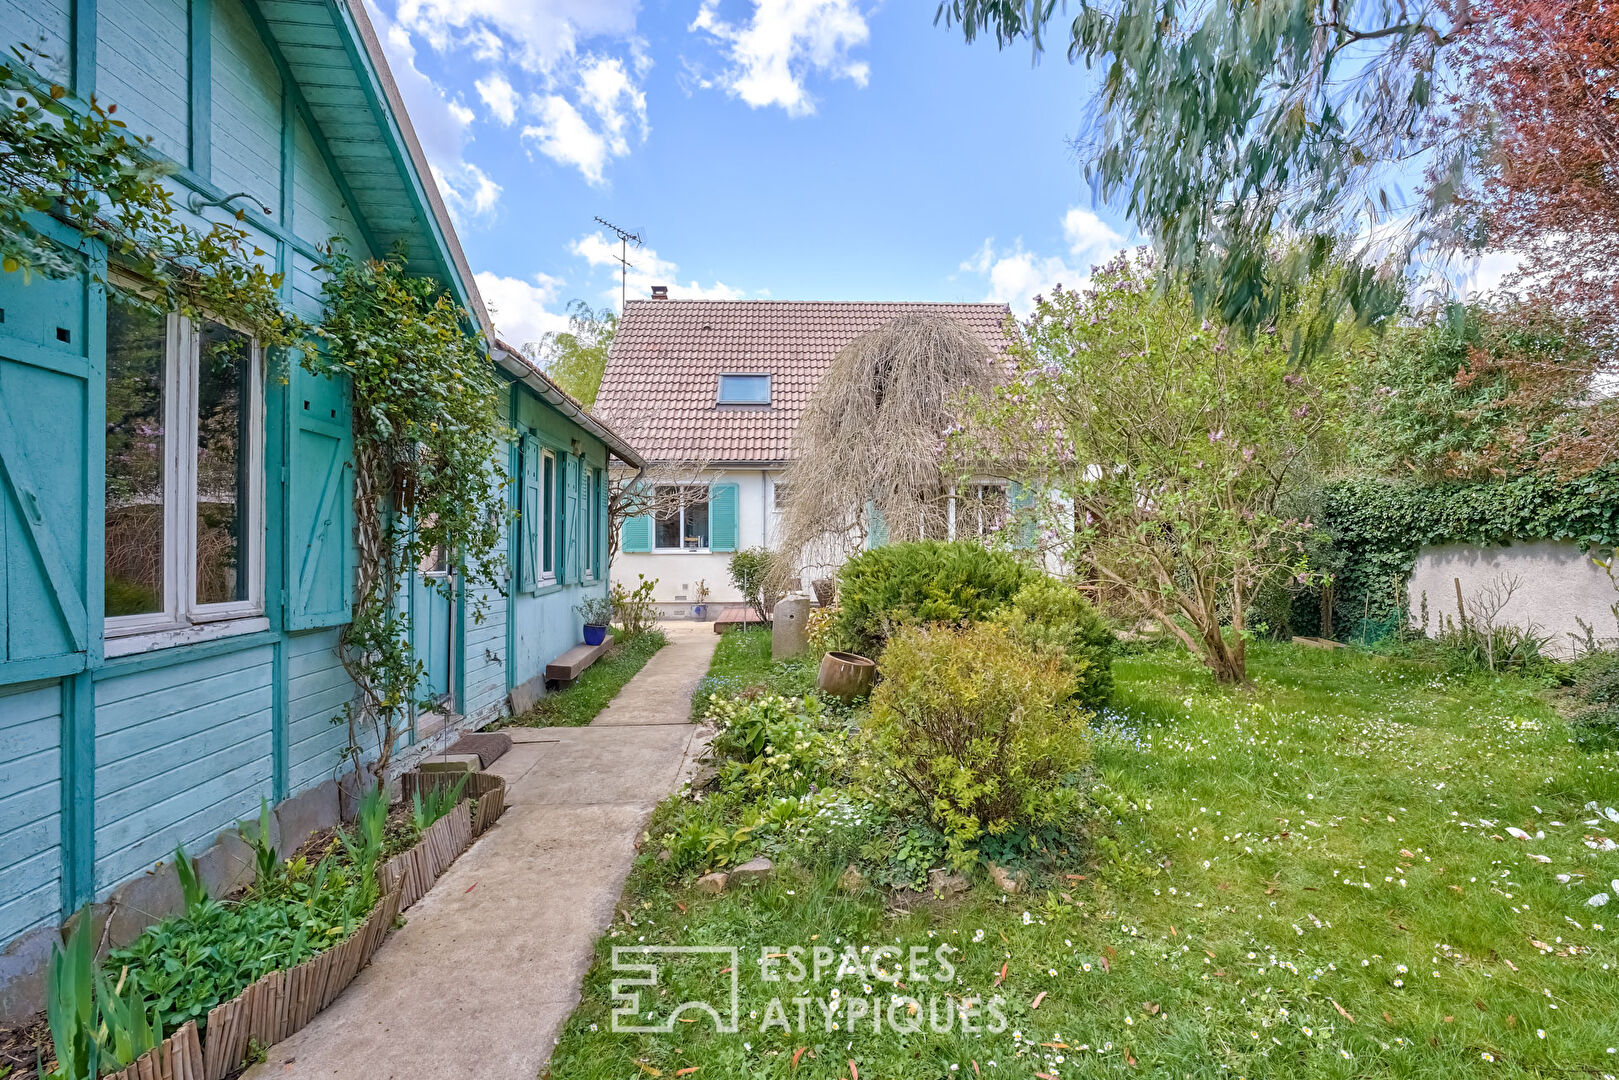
pixel 660 292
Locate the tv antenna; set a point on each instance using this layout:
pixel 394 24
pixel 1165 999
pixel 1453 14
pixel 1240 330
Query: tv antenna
pixel 625 239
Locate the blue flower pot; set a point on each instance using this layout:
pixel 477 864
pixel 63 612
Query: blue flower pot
pixel 595 635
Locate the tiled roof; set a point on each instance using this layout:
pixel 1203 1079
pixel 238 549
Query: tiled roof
pixel 663 370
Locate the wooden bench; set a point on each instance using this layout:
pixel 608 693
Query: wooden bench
pixel 568 667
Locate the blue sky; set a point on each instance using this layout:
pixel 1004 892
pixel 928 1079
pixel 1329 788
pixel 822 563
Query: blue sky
pixel 794 149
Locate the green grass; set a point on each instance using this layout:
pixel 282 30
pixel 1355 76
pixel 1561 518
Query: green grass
pixel 596 686
pixel 742 662
pixel 1311 878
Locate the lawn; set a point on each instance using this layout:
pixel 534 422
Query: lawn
pixel 1313 877
pixel 579 704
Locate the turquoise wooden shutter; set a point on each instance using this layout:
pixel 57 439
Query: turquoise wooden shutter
pixel 636 535
pixel 1019 502
pixel 599 524
pixel 876 527
pixel 723 529
pixel 570 568
pixel 531 515
pixel 49 415
pixel 320 503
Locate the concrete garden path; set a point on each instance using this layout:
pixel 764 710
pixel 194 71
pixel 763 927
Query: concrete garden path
pixel 489 964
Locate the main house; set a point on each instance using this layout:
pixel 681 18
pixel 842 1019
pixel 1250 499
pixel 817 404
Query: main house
pixel 710 392
pixel 168 626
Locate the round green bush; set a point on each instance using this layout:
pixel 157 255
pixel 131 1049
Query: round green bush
pixel 980 731
pixel 1049 616
pixel 923 581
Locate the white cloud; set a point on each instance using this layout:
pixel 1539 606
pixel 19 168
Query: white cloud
pixel 468 191
pixel 441 123
pixel 537 35
pixel 1015 275
pixel 774 52
pixel 579 108
pixel 647 270
pixel 498 94
pixel 611 107
pixel 522 309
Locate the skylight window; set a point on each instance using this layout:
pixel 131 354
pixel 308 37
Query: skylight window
pixel 744 390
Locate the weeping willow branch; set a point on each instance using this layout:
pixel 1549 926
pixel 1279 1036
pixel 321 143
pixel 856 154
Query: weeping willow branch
pixel 870 443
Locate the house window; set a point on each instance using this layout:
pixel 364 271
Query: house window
pixel 548 516
pixel 682 518
pixel 744 390
pixel 981 510
pixel 184 476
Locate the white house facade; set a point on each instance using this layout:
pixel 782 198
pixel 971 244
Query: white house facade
pixel 710 392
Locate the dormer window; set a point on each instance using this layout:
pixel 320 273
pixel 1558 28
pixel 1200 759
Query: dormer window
pixel 744 389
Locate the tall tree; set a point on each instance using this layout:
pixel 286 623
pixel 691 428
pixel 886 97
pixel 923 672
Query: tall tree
pixel 576 358
pixel 1224 126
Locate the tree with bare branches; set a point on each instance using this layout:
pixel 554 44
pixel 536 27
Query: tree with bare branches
pixel 868 448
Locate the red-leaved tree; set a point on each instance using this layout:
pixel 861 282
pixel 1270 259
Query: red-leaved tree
pixel 1542 101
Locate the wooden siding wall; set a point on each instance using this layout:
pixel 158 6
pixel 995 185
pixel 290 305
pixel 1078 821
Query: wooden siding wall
pixel 544 622
pixel 181 752
pixel 104 772
pixel 30 806
pixel 107 766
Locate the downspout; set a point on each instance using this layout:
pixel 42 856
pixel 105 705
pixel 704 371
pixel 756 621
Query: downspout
pixel 764 506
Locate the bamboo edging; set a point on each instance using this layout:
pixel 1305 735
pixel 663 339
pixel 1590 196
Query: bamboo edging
pixel 282 1002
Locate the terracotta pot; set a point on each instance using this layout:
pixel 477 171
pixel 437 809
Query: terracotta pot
pixel 846 676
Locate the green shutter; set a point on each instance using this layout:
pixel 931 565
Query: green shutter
pixel 320 503
pixel 636 535
pixel 530 517
pixel 1020 504
pixel 723 530
pixel 876 527
pixel 570 568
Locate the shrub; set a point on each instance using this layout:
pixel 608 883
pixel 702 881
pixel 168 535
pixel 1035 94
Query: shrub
pixel 750 569
pixel 979 730
pixel 634 609
pixel 925 581
pixel 596 610
pixel 1596 691
pixel 1048 616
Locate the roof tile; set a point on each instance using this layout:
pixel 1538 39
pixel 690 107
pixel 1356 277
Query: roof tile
pixel 662 377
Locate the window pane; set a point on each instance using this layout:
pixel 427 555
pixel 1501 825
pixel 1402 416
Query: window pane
pixel 137 341
pixel 744 390
pixel 668 519
pixel 548 525
pixel 696 518
pixel 224 366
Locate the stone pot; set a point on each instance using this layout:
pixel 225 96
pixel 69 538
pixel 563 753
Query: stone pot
pixel 846 676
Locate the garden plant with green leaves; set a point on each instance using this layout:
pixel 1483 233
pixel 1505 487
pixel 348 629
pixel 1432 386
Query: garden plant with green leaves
pixel 1171 449
pixel 428 482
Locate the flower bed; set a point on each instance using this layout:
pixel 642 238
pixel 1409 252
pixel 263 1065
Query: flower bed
pixel 280 1002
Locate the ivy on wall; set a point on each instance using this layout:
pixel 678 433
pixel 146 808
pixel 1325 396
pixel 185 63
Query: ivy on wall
pixel 1379 526
pixel 428 481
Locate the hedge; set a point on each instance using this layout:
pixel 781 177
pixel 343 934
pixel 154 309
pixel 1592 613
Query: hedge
pixel 1379 526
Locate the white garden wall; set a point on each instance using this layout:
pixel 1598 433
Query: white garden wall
pixel 1558 586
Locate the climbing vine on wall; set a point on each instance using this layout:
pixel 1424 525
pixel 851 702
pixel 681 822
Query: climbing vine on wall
pixel 1379 526
pixel 77 163
pixel 428 475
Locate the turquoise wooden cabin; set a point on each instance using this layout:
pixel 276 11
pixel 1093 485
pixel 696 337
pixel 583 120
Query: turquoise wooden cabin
pixel 175 510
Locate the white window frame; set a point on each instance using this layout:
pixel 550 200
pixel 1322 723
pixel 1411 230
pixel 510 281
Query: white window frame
pixel 183 619
pixel 967 505
pixel 548 520
pixel 707 490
